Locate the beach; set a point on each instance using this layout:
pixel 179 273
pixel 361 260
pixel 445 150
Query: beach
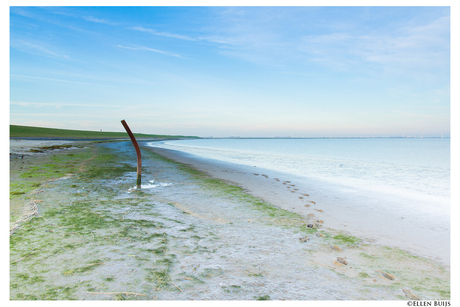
pixel 22 146
pixel 194 231
pixel 425 235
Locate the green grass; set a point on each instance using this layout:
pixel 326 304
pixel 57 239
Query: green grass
pixel 19 188
pixel 363 275
pixel 86 222
pixel 347 240
pixel 232 289
pixel 46 171
pixel 102 167
pixel 255 274
pixel 28 131
pixel 88 267
pixel 59 165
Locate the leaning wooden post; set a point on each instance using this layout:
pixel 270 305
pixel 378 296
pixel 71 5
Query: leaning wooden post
pixel 138 151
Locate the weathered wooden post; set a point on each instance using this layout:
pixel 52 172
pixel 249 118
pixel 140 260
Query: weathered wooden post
pixel 138 151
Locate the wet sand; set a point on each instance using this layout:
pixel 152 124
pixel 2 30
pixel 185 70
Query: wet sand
pixel 381 225
pixel 187 236
pixel 20 146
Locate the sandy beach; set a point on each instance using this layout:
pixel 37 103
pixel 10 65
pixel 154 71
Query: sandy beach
pixel 189 236
pixel 389 228
pixel 21 146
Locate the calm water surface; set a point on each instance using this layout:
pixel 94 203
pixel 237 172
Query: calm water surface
pixel 413 167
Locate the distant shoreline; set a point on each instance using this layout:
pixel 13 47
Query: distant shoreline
pixel 31 138
pixel 17 131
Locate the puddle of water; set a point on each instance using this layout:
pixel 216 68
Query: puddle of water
pixel 151 185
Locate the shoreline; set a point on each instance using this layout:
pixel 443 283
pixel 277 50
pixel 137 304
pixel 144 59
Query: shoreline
pixel 278 189
pixel 187 236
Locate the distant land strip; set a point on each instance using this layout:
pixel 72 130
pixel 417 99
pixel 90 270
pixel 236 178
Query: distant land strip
pixel 40 133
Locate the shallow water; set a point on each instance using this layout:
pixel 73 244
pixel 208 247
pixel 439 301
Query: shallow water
pixel 396 191
pixel 405 166
pixel 152 185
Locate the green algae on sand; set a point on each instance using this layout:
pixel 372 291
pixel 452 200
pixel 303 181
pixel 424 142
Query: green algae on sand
pixel 199 238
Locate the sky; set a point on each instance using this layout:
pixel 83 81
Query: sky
pixel 233 71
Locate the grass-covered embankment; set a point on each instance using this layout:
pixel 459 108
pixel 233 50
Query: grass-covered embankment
pixel 39 132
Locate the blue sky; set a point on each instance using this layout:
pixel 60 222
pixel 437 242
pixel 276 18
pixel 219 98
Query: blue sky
pixel 226 71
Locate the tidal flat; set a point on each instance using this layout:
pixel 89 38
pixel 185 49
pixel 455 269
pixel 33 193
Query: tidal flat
pixel 80 230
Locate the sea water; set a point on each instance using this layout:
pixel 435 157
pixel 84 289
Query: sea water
pixel 412 167
pixel 383 179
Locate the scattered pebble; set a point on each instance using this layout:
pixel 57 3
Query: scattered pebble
pixel 312 222
pixel 304 239
pixel 388 276
pixel 411 295
pixel 342 260
pixel 318 234
pixel 307 205
pixel 336 248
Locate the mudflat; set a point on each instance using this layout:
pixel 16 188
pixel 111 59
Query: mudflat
pixel 81 230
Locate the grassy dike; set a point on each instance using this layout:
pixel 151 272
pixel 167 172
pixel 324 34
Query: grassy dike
pixel 18 131
pixel 94 238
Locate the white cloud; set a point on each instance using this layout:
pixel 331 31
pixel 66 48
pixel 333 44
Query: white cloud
pixel 297 38
pixel 59 105
pixel 98 20
pixel 38 48
pixel 416 50
pixel 165 34
pixel 59 80
pixel 426 45
pixel 150 49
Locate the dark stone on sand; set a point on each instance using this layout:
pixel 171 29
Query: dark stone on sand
pixel 342 260
pixel 304 239
pixel 411 295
